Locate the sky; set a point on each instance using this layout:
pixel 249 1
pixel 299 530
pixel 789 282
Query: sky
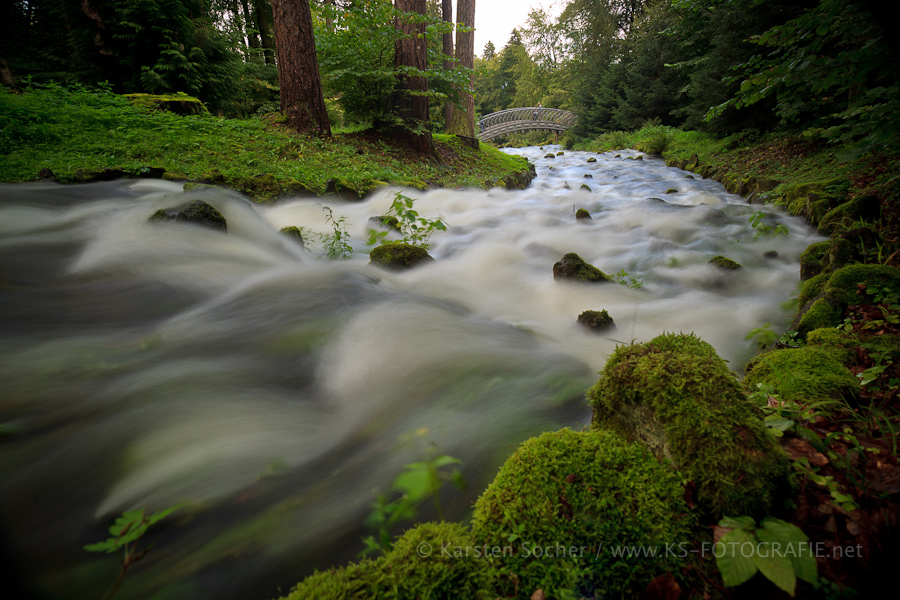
pixel 495 19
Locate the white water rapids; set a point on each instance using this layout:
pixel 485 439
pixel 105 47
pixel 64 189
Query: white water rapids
pixel 271 391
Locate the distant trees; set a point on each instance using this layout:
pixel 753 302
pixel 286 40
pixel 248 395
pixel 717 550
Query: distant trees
pixel 462 120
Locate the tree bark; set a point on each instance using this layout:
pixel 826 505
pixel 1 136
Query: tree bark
pixel 298 69
pixel 249 26
pixel 447 16
pixel 264 21
pixel 410 101
pixel 463 120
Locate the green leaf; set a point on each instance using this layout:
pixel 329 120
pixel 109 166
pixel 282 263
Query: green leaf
pixel 415 483
pixel 733 565
pixel 444 460
pixel 795 545
pixel 769 559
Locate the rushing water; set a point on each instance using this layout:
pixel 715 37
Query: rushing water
pixel 272 391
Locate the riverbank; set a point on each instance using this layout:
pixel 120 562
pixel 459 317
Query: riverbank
pixel 78 136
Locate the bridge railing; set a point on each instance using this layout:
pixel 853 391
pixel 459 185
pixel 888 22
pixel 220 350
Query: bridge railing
pixel 527 113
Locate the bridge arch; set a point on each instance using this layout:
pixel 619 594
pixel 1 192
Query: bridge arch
pixel 527 118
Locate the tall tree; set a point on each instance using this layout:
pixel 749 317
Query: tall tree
pixel 264 20
pixel 411 62
pixel 447 16
pixel 298 70
pixel 463 120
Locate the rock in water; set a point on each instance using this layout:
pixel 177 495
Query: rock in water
pixel 198 212
pixel 399 256
pixel 573 267
pixel 596 321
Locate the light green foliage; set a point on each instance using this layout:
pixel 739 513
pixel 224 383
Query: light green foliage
pixel 580 490
pixel 416 567
pixel 677 397
pixel 804 374
pixel 762 228
pixel 417 483
pixel 777 549
pixel 624 278
pixel 336 246
pixel 415 230
pixel 125 535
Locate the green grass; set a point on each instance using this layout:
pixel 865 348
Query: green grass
pixel 67 130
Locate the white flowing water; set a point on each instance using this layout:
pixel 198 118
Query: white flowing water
pixel 272 391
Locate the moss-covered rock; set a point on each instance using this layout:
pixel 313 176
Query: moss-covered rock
pixel 812 288
pixel 592 160
pixel 180 104
pixel 596 320
pixel 582 214
pixel 843 345
pixel 573 267
pixel 678 398
pixel 197 212
pixel 549 155
pixel 860 208
pixel 811 259
pixel 432 560
pixel 823 311
pixel 585 187
pixel 671 191
pixel 561 495
pixel 398 256
pixel 724 263
pixel 294 233
pixel 803 374
pixel 341 188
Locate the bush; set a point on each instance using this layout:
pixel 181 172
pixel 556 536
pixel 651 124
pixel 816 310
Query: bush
pixel 676 396
pixel 562 494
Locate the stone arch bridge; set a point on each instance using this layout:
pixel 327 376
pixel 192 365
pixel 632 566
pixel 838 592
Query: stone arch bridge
pixel 526 118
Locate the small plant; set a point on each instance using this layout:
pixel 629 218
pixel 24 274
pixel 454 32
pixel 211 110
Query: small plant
pixel 126 533
pixel 336 246
pixel 624 278
pixel 416 231
pixel 777 549
pixel 418 482
pixel 761 228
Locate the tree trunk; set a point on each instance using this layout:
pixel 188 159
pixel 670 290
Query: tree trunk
pixel 447 15
pixel 298 70
pixel 463 120
pixel 410 101
pixel 264 21
pixel 329 20
pixel 249 26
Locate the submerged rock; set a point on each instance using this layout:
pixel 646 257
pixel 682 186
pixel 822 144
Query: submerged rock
pixel 549 155
pixel 294 233
pixel 721 262
pixel 679 399
pixel 582 214
pixel 592 160
pixel 573 267
pixel 596 321
pixel 197 212
pixel 399 256
pixel 585 187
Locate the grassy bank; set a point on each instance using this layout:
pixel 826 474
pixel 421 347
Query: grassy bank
pixel 80 135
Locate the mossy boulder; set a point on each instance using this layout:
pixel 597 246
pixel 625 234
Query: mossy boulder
pixel 572 267
pixel 549 155
pixel 860 208
pixel 560 496
pixel 811 288
pixel 823 311
pixel 341 188
pixel 811 261
pixel 671 191
pixel 805 374
pixel 592 160
pixel 597 321
pixel 582 214
pixel 294 233
pixel 180 104
pixel 398 256
pixel 723 263
pixel 197 212
pixel 842 345
pixel 428 561
pixel 679 399
pixel 585 187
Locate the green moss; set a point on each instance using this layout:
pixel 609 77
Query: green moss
pixel 823 312
pixel 582 214
pixel 292 232
pixel 564 493
pixel 676 396
pixel 574 268
pixel 843 284
pixel 803 374
pixel 585 187
pixel 811 259
pixel 596 320
pixel 180 104
pixel 863 207
pixel 398 256
pixel 812 288
pixel 721 262
pixel 407 571
pixel 197 212
pixel 840 343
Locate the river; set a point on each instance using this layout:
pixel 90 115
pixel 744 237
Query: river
pixel 272 392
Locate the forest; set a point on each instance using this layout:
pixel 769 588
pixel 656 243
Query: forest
pixel 256 387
